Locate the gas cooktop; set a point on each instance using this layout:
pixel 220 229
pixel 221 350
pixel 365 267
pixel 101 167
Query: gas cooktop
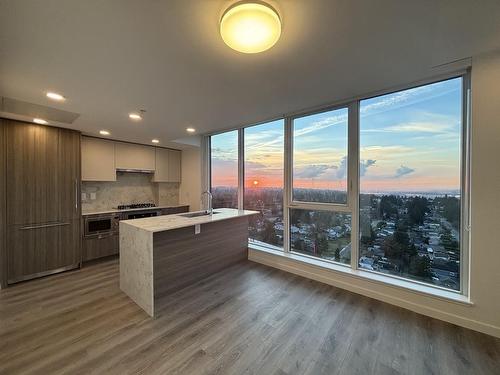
pixel 135 205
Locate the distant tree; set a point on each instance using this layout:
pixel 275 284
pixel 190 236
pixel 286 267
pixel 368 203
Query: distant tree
pixel 401 235
pixel 388 206
pixel 298 245
pixel 450 209
pixel 417 208
pixel 337 254
pixel 398 248
pixel 392 248
pixel 269 235
pixel 448 242
pixel 420 267
pixel 321 245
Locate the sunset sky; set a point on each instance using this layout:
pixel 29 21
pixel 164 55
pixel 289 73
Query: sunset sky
pixel 409 141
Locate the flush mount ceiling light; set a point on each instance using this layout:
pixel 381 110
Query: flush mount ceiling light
pixel 135 116
pixel 250 26
pixel 104 132
pixel 55 96
pixel 190 130
pixel 40 121
pixel 155 141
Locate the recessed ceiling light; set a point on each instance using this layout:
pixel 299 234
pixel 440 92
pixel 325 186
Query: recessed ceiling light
pixel 155 141
pixel 40 121
pixel 104 132
pixel 135 116
pixel 250 26
pixel 190 130
pixel 55 96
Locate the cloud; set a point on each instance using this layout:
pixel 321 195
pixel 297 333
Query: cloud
pixel 340 119
pixel 418 127
pixel 312 171
pixel 403 171
pixel 404 98
pixel 224 154
pixel 377 152
pixel 254 165
pixel 364 165
pixel 342 170
pixel 414 127
pixel 224 165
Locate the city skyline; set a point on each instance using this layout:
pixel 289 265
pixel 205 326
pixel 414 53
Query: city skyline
pixel 409 142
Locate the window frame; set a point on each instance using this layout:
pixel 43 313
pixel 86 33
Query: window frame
pixel 241 176
pixel 325 206
pixel 350 205
pixel 353 178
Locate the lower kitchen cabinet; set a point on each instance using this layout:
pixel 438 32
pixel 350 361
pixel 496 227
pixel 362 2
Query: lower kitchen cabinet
pixel 174 210
pixel 100 246
pixel 36 250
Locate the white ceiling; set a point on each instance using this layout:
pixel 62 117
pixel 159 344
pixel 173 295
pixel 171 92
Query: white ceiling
pixel 166 56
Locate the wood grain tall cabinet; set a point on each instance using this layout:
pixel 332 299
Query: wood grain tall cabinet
pixel 42 193
pixel 3 201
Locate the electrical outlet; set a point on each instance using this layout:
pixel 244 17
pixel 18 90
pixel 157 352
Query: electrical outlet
pixel 84 197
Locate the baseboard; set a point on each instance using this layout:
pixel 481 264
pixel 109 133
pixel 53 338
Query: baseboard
pixel 328 277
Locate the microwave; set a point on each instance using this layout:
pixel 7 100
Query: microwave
pixel 102 225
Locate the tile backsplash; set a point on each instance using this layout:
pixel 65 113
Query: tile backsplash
pixel 128 188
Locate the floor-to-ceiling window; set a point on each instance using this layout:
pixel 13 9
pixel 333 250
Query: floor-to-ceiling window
pixel 319 186
pixel 263 189
pixel 377 184
pixel 410 148
pixel 224 169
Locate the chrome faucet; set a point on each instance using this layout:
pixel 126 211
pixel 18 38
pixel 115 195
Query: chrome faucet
pixel 209 201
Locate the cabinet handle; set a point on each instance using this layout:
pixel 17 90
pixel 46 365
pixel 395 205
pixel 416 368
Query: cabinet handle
pixel 76 195
pixel 43 226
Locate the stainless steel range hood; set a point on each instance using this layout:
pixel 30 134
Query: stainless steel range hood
pixel 135 170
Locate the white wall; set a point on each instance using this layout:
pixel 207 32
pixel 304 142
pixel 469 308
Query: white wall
pixel 485 249
pixel 190 189
pixel 484 312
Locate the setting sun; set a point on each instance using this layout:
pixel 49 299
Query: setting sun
pixel 255 182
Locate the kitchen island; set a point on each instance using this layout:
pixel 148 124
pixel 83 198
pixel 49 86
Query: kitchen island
pixel 160 255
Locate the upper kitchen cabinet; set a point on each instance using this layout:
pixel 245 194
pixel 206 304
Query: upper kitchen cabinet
pixel 161 170
pixel 129 156
pixel 174 166
pixel 168 165
pixel 43 173
pixel 98 160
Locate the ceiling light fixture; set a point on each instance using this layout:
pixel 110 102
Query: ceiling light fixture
pixel 155 141
pixel 104 132
pixel 190 130
pixel 135 116
pixel 250 26
pixel 55 96
pixel 40 121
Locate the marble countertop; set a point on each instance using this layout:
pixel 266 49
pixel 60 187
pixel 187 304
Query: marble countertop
pixel 87 213
pixel 175 221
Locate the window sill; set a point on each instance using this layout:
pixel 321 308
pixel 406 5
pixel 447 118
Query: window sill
pixel 428 291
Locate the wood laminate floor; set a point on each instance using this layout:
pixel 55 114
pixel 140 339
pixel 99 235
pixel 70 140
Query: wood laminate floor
pixel 249 319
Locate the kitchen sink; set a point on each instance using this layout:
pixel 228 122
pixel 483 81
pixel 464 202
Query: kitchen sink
pixel 198 213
